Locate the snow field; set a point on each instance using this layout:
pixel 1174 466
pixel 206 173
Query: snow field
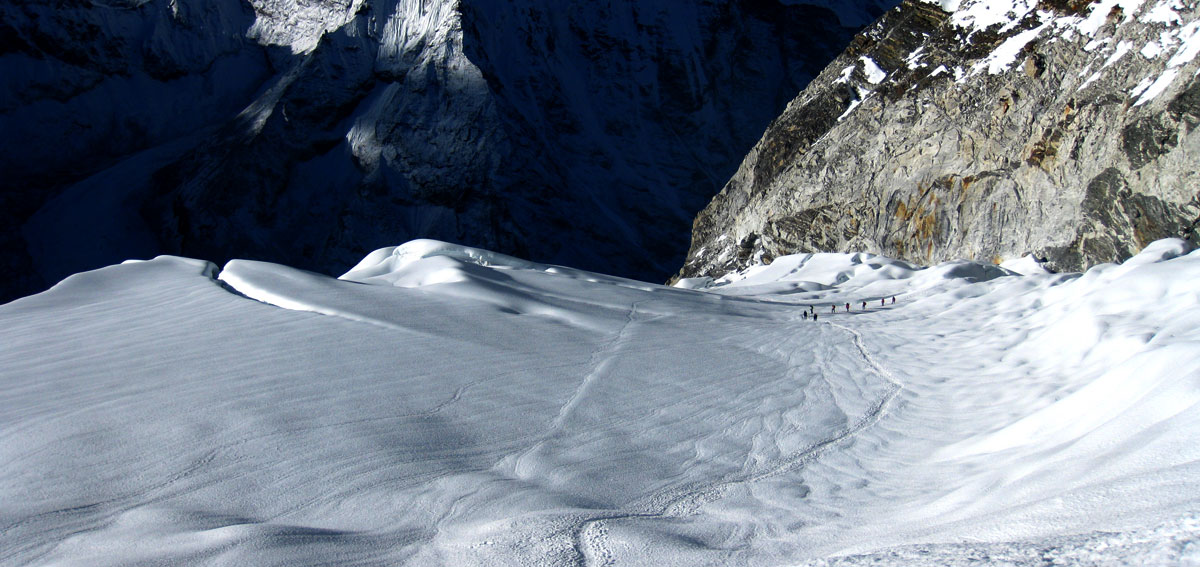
pixel 445 405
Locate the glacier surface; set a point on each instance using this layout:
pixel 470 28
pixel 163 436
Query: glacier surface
pixel 446 405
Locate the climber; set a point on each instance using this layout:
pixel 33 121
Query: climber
pixel 805 315
pixel 881 303
pixel 833 308
pixel 847 307
pixel 893 300
pixel 864 306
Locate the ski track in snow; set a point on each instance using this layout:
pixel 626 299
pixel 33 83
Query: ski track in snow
pixel 591 533
pixel 518 415
pixel 600 360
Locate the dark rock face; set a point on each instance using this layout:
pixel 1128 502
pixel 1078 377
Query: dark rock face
pixel 1117 223
pixel 1064 130
pixel 87 84
pixel 1144 140
pixel 309 132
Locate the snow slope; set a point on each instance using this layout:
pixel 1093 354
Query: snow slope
pixel 446 405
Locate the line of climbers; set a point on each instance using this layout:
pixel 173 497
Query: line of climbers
pixel 811 311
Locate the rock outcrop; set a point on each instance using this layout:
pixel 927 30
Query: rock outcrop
pixel 1065 129
pixel 308 132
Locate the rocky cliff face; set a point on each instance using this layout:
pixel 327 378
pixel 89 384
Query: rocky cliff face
pixel 87 84
pixel 987 130
pixel 311 131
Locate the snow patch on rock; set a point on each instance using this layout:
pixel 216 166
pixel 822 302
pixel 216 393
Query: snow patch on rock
pixel 872 71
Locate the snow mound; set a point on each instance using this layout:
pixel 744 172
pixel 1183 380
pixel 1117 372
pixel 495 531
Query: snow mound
pixel 394 265
pixel 427 262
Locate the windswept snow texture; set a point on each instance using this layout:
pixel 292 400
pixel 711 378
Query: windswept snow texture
pixel 441 405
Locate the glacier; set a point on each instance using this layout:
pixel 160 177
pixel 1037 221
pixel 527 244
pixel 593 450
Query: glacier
pixel 440 404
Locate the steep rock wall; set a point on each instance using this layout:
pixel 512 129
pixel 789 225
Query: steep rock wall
pixel 87 84
pixel 985 130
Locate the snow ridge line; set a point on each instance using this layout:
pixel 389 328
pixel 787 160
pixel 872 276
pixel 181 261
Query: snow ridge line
pixel 282 301
pixel 589 536
pixel 229 283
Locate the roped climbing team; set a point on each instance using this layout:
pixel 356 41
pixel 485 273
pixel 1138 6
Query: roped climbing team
pixel 812 311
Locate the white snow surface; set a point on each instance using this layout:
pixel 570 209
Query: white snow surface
pixel 844 76
pixel 1164 12
pixel 983 14
pixel 1157 87
pixel 441 405
pixel 871 70
pixel 1006 53
pixel 1025 265
pixel 1122 48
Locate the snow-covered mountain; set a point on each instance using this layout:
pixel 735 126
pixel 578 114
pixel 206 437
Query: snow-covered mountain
pixel 442 405
pixel 984 129
pixel 312 131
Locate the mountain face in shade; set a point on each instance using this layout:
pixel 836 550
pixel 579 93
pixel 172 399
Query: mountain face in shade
pixel 311 131
pixel 979 129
